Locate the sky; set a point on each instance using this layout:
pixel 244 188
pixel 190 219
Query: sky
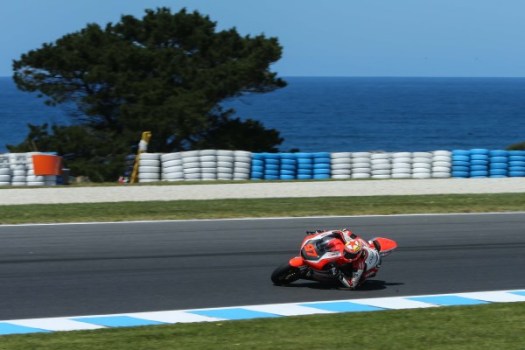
pixel 431 38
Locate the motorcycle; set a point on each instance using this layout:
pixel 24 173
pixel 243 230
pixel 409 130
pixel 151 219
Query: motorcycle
pixel 321 253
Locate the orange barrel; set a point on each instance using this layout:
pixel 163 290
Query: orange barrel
pixel 46 164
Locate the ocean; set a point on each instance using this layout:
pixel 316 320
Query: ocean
pixel 331 114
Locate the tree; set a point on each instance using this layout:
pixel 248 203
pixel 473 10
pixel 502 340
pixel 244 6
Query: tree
pixel 166 73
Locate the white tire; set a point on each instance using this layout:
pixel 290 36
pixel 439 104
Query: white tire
pixel 225 170
pixel 208 152
pixel 381 172
pixel 421 165
pixel 149 176
pixel 401 166
pixel 150 156
pixel 187 154
pixel 341 177
pixel 170 157
pixel 225 164
pixel 208 158
pixel 192 171
pixel 421 171
pixel 186 160
pixel 385 166
pixel 5 178
pixel 245 154
pixel 442 159
pixel 422 155
pixel 228 159
pixel 225 152
pixel 172 169
pixel 208 171
pixel 18 178
pixel 361 170
pixel 241 178
pixel 173 176
pixel 441 175
pixel 222 176
pixel 360 176
pixel 421 160
pixel 421 176
pixel 33 178
pixel 149 169
pixel 208 164
pixel 361 155
pixel 5 171
pixel 361 165
pixel 36 183
pixel 242 159
pixel 242 165
pixel 401 176
pixel 381 177
pixel 171 163
pixel 361 160
pixel 5 183
pixel 401 170
pixel 341 166
pixel 148 180
pixel 241 171
pixel 341 161
pixel 340 155
pixel 210 176
pixel 402 160
pixel 18 172
pixel 149 162
pixel 192 177
pixel 441 163
pixel 401 155
pixel 18 183
pixel 440 169
pixel 380 156
pixel 191 165
pixel 442 153
pixel 341 172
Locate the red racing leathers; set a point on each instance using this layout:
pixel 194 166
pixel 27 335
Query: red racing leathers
pixel 365 265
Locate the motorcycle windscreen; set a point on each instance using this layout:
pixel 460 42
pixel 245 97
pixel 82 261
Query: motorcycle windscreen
pixel 386 244
pixel 315 248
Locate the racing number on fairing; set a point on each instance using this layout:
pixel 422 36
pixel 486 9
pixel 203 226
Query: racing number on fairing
pixel 310 250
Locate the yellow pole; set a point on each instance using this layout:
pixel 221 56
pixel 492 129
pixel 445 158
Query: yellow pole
pixel 143 147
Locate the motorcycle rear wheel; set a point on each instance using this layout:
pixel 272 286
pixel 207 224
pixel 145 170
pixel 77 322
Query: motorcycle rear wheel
pixel 285 274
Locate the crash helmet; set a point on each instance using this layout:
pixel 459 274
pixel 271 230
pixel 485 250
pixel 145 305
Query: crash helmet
pixel 353 249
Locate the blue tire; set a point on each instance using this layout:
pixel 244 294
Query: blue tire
pixel 461 158
pixel 499 159
pixel 460 163
pixel 484 173
pixel 497 176
pixel 271 177
pixel 515 163
pixel 287 172
pixel 256 175
pixel 321 166
pixel 517 153
pixel 287 177
pixel 321 176
pixel 498 153
pixel 478 168
pixel 288 167
pixel 516 173
pixel 479 151
pixel 494 166
pixel 259 156
pixel 257 168
pixel 460 174
pixel 322 172
pixel 498 172
pixel 483 157
pixel 257 162
pixel 304 177
pixel 460 152
pixel 304 172
pixel 461 168
pixel 479 162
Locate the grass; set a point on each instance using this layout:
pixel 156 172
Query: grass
pixel 274 207
pixel 492 326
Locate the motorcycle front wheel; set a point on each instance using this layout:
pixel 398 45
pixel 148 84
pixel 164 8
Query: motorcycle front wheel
pixel 285 274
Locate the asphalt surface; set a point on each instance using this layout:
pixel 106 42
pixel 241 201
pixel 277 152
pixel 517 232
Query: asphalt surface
pixel 89 269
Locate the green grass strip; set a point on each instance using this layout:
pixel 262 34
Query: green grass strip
pixel 273 207
pixel 493 326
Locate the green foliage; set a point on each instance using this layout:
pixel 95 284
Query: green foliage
pixel 166 73
pixel 517 146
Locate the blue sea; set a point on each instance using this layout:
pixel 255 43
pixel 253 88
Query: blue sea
pixel 349 114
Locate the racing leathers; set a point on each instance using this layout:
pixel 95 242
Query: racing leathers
pixel 354 270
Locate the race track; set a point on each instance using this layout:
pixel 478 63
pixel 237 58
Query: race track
pixel 87 269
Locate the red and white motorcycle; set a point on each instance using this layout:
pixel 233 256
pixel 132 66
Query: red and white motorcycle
pixel 320 253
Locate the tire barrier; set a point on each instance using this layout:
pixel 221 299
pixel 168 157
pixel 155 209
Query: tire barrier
pixel 17 169
pixel 482 163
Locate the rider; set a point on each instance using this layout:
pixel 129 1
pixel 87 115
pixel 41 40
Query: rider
pixel 362 256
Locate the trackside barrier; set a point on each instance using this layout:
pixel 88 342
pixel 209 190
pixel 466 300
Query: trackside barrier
pixel 19 169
